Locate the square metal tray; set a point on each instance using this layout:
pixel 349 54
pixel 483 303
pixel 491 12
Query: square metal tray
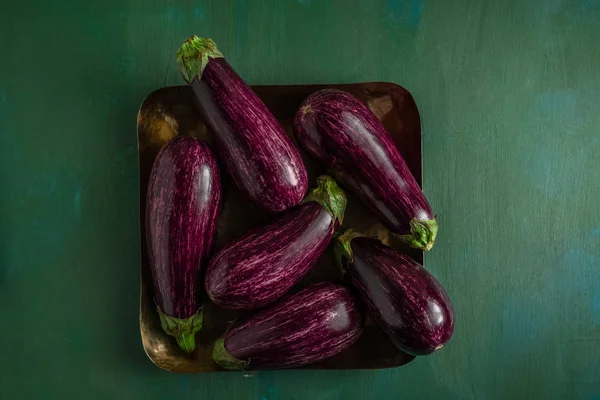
pixel 170 111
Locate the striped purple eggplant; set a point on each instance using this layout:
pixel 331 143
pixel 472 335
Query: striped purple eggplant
pixel 182 204
pixel 405 300
pixel 347 138
pixel 309 326
pixel 258 154
pixel 262 265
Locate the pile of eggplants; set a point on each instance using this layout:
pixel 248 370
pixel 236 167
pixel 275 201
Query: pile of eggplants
pixel 260 270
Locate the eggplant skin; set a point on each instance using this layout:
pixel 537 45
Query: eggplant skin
pixel 309 326
pixel 344 136
pixel 403 298
pixel 182 205
pixel 257 152
pixel 262 265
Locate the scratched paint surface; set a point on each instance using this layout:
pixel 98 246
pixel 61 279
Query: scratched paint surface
pixel 508 93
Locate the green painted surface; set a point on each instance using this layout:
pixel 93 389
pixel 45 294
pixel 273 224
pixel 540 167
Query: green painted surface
pixel 509 93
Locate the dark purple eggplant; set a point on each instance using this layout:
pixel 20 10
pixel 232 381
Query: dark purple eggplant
pixel 258 154
pixel 309 326
pixel 347 138
pixel 405 300
pixel 182 204
pixel 262 265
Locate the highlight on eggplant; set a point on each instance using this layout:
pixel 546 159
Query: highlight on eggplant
pixel 262 265
pixel 182 205
pixel 314 324
pixel 403 298
pixel 257 152
pixel 342 134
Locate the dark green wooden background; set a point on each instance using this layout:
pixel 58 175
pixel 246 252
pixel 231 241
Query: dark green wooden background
pixel 509 93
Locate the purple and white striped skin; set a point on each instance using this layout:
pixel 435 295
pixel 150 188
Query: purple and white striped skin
pixel 262 265
pixel 405 300
pixel 182 205
pixel 316 323
pixel 342 134
pixel 261 159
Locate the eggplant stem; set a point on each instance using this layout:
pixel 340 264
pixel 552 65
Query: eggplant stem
pixel 330 196
pixel 186 342
pixel 183 330
pixel 343 250
pixel 422 234
pixel 222 357
pixel 193 56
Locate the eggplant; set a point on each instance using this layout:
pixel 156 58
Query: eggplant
pixel 309 326
pixel 403 298
pixel 258 154
pixel 182 204
pixel 262 265
pixel 344 136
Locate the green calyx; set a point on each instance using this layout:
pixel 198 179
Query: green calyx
pixel 330 196
pixel 193 56
pixel 226 360
pixel 183 330
pixel 422 234
pixel 343 250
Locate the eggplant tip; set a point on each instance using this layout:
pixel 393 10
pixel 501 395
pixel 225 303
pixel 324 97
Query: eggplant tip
pixel 186 341
pixel 191 39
